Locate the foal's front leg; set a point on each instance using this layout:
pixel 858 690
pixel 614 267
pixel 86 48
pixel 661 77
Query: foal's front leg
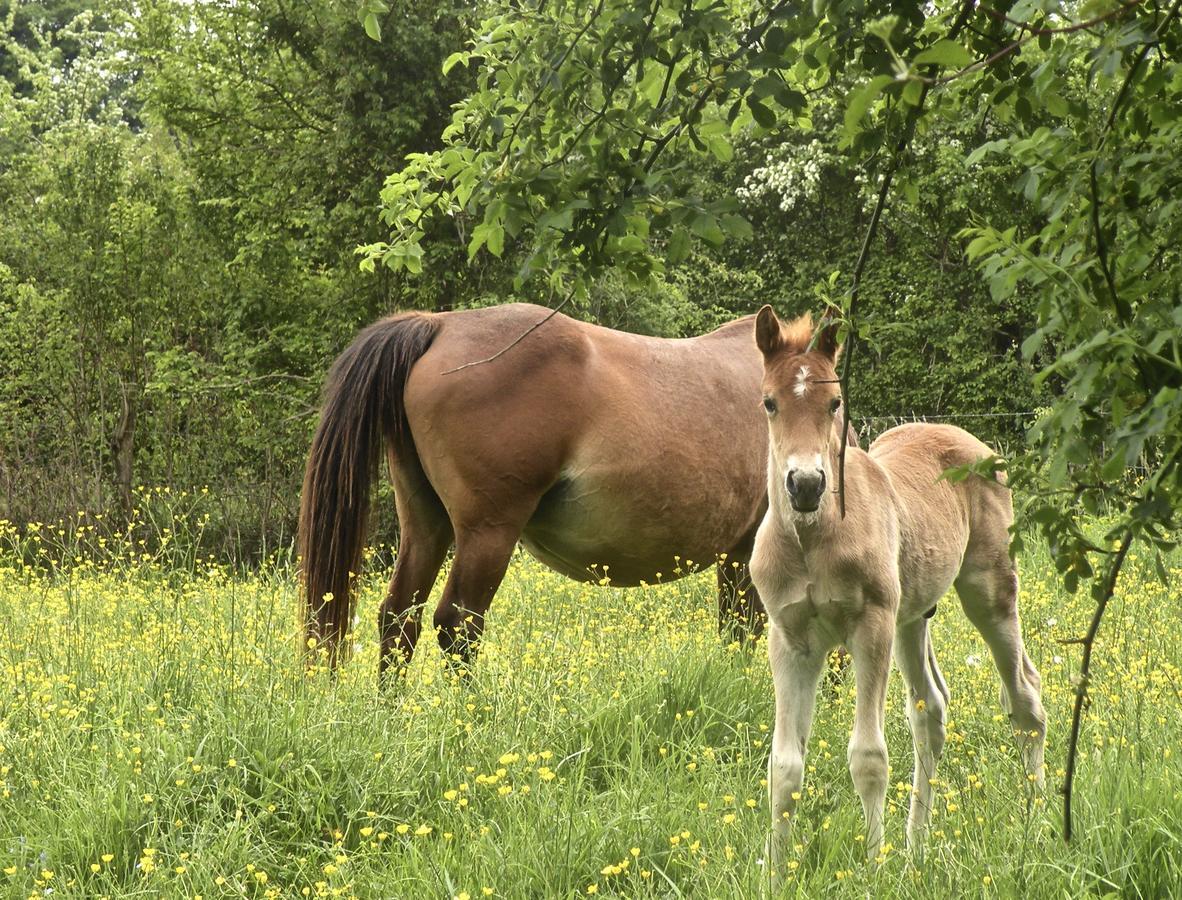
pixel 870 645
pixel 797 660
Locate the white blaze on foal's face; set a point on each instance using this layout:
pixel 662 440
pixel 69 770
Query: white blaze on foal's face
pixel 802 399
pixel 802 382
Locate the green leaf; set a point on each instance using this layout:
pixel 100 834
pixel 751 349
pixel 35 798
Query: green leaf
pixel 981 152
pixel 912 92
pixel 737 226
pixel 457 58
pixel 766 86
pixel 776 40
pixel 790 99
pixel 679 243
pixel 763 116
pixel 944 53
pixel 883 28
pixel 707 228
pixel 496 240
pixel 1055 105
pixel 720 146
pixel 372 27
pixel 860 99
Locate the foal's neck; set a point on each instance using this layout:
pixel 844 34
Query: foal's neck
pixel 815 528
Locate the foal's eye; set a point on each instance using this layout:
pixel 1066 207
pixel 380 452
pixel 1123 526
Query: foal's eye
pixel 770 405
pixel 834 405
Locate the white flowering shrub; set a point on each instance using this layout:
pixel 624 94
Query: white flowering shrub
pixel 790 175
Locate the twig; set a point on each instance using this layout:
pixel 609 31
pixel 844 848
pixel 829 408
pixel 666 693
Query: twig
pixel 1025 26
pixel 1088 641
pixel 1021 42
pixel 753 34
pixel 557 65
pixel 610 92
pixel 521 337
pixel 1120 305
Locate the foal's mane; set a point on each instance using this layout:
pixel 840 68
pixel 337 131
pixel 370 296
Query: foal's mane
pixel 798 334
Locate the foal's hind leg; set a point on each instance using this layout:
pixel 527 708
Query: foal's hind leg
pixel 926 705
pixel 989 595
pixel 424 535
pixel 482 555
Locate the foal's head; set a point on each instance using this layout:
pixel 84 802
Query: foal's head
pixel 802 397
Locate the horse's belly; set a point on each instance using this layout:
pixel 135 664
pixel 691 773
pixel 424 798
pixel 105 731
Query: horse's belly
pixel 590 530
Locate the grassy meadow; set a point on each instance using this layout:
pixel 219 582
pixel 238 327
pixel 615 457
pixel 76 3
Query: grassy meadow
pixel 160 737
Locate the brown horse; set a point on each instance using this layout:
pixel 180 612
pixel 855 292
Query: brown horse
pixel 604 453
pixel 871 580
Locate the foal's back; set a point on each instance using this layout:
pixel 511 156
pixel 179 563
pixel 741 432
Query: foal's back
pixel 944 526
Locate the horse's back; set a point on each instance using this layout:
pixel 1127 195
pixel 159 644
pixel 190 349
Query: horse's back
pixel 942 522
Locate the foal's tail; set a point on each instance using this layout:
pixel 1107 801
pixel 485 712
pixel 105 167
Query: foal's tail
pixel 363 405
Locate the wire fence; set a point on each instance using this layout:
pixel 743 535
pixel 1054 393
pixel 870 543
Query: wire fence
pixel 870 427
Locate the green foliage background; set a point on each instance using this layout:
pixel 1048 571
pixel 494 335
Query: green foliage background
pixel 182 193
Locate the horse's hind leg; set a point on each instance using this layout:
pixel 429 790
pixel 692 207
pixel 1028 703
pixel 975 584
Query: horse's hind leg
pixel 989 595
pixel 927 700
pixel 482 555
pixel 425 533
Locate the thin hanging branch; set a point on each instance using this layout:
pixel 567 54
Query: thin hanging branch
pixel 884 190
pixel 1124 314
pixel 1031 34
pixel 1088 641
pixel 521 337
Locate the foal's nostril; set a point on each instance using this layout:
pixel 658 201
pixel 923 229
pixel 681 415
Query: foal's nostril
pixel 790 482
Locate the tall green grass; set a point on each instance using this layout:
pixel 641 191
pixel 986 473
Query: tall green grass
pixel 159 735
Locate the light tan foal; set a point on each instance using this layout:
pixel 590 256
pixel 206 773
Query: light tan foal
pixel 870 581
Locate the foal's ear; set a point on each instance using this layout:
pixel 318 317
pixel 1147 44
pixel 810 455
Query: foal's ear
pixel 769 336
pixel 826 337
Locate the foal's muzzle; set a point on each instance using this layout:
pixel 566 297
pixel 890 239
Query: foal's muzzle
pixel 805 487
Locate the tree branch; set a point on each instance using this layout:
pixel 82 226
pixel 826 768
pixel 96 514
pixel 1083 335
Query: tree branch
pixel 521 337
pixel 1088 642
pixel 1031 35
pixel 851 343
pixel 558 65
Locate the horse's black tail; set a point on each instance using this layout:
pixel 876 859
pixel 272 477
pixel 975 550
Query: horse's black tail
pixel 363 405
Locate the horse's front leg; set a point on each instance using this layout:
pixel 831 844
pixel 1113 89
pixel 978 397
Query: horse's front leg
pixel 797 659
pixel 869 644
